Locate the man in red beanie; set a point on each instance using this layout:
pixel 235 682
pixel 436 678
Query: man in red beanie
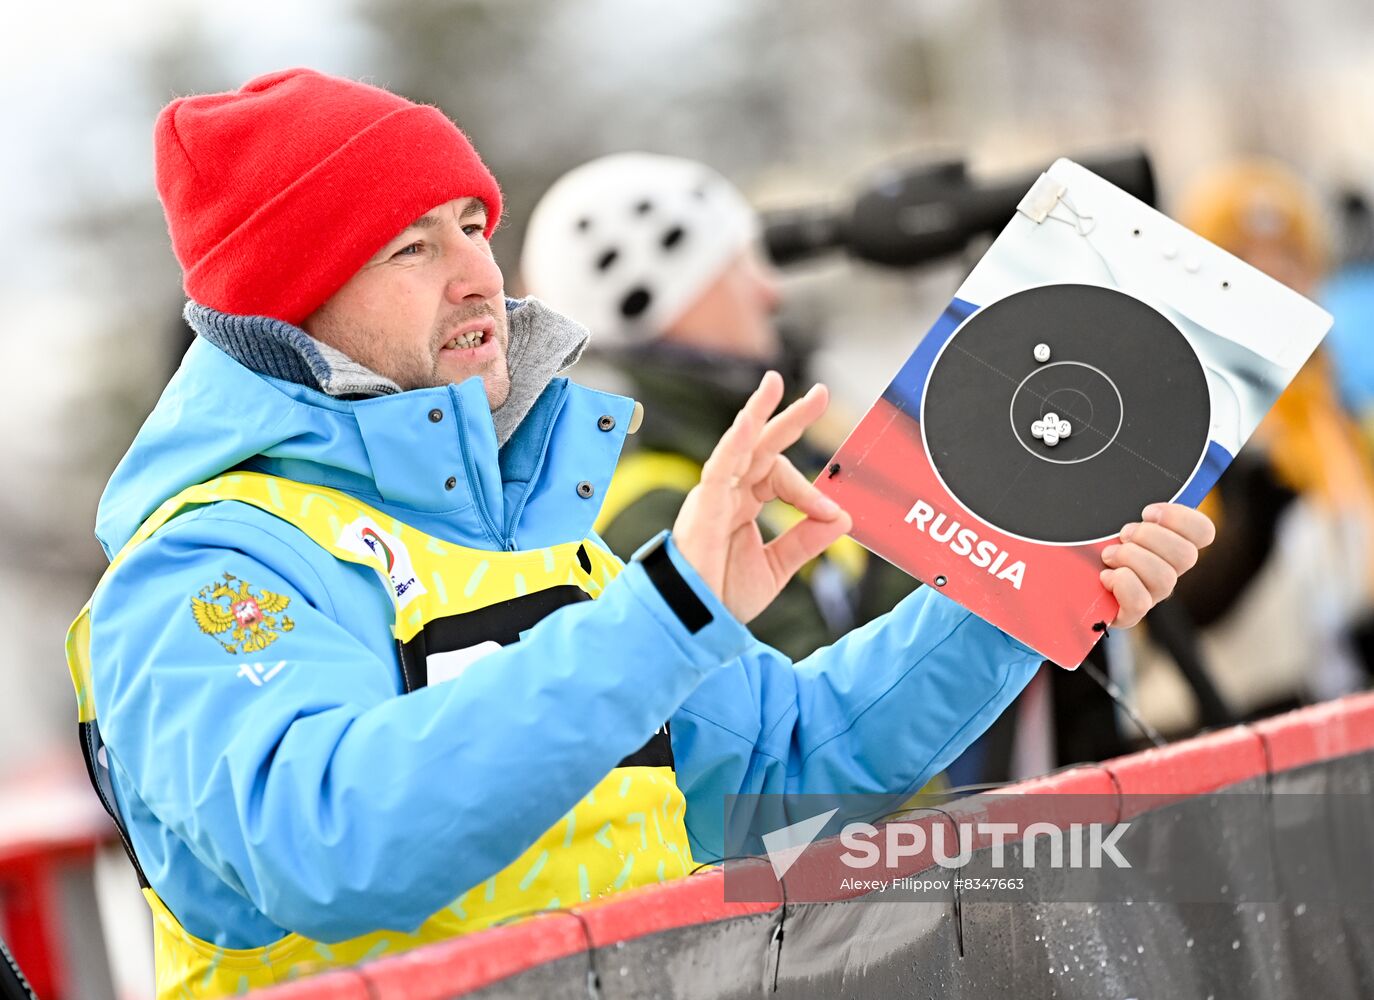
pixel 360 675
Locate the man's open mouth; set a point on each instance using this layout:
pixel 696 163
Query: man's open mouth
pixel 470 335
pixel 464 341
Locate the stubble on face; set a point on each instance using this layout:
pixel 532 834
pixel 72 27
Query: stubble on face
pixel 413 367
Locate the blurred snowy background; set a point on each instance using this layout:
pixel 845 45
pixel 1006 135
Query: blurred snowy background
pixel 796 101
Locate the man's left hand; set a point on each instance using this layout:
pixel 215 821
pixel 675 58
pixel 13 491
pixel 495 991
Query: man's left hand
pixel 1152 555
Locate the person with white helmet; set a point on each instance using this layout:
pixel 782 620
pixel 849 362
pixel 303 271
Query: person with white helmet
pixel 641 247
pixel 660 256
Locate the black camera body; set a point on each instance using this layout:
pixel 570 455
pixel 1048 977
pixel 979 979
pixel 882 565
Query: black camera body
pixel 912 215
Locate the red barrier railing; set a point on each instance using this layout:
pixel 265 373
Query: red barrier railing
pixel 50 825
pixel 1193 767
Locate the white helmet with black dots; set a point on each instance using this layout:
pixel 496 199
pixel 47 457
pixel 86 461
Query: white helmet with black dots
pixel 625 243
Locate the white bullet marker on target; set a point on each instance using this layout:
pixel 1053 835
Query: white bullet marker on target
pixel 1051 429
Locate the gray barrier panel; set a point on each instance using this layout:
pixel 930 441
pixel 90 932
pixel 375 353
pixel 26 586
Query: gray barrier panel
pixel 1307 932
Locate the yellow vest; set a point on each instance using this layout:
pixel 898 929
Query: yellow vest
pixel 627 831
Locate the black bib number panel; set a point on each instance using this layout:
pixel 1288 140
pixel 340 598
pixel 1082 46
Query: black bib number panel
pixel 503 624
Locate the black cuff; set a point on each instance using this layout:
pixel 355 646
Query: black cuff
pixel 670 585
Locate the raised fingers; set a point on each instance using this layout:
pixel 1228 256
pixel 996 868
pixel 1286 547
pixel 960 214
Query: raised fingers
pixel 786 428
pixel 766 397
pixel 734 452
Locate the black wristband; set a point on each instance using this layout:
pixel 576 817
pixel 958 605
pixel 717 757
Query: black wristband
pixel 688 607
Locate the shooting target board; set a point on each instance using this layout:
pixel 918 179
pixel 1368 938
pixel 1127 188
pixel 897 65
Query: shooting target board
pixel 1099 358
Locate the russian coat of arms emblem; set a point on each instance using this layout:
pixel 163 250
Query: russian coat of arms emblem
pixel 253 620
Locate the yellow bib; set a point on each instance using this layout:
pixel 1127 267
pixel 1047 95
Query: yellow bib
pixel 627 831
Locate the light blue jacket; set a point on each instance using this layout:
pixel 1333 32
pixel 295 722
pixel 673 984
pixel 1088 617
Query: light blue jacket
pixel 321 802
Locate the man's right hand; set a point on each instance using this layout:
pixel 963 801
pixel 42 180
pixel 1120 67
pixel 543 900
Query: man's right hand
pixel 717 528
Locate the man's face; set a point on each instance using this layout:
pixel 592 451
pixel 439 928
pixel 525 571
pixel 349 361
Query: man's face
pixel 429 308
pixel 734 314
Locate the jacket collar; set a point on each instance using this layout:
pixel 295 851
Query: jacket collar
pixel 430 458
pixel 541 344
pixel 389 451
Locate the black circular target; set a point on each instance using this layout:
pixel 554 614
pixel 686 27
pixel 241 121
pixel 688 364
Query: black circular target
pixel 1067 444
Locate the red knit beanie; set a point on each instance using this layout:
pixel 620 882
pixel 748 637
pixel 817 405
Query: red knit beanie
pixel 277 193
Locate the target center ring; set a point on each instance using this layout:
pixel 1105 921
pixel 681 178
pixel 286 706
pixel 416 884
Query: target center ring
pixel 1069 389
pixel 1071 404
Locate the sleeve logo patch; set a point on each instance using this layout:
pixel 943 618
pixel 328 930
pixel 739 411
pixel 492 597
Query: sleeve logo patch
pixel 253 621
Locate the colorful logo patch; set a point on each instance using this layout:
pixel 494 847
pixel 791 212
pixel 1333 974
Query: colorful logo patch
pixel 374 542
pixel 366 538
pixel 253 621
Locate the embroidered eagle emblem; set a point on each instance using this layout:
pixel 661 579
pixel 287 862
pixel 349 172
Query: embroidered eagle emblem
pixel 253 621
